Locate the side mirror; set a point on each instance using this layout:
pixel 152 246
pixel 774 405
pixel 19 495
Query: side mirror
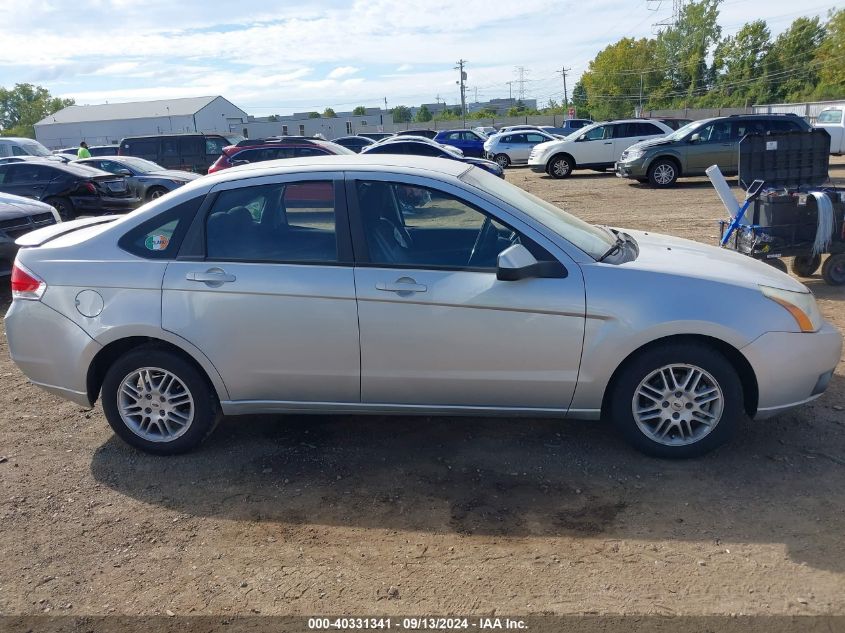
pixel 695 138
pixel 240 162
pixel 516 262
pixel 123 172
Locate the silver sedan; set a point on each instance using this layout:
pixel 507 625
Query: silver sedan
pixel 355 284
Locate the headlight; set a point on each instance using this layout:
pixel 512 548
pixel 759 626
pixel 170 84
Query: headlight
pixel 801 305
pixel 633 154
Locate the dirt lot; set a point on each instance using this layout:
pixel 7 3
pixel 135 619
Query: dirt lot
pixel 369 515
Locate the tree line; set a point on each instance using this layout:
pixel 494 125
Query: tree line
pixel 25 105
pixel 692 65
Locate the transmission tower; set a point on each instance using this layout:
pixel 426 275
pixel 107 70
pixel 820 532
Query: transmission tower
pixel 677 11
pixel 520 74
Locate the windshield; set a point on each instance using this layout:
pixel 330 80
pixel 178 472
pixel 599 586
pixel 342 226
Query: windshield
pixel 681 132
pixel 830 116
pixel 587 237
pixel 144 166
pixel 36 149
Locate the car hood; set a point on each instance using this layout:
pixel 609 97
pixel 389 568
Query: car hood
pixel 173 174
pixel 676 256
pixel 650 143
pixel 564 142
pixel 12 206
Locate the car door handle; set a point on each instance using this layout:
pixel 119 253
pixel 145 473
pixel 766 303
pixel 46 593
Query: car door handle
pixel 211 276
pixel 402 285
pixel 608 142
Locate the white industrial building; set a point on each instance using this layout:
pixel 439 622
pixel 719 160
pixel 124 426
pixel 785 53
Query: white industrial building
pixel 303 124
pixel 107 123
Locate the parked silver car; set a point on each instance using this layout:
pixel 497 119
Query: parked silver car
pixel 514 148
pixel 356 284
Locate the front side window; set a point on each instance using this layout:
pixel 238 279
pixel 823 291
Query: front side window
pixel 830 116
pixel 284 222
pixel 597 133
pixel 718 131
pixel 214 146
pixel 407 225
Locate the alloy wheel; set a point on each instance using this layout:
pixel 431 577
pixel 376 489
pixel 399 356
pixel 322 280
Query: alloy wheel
pixel 678 405
pixel 664 174
pixel 155 404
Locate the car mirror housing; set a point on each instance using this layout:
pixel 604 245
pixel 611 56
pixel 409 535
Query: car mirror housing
pixel 695 138
pixel 516 262
pixel 123 172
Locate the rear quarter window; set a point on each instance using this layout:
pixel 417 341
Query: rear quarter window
pixel 161 236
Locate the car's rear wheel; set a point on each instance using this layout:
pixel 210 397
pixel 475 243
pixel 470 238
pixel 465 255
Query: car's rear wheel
pixel 156 192
pixel 64 207
pixel 502 160
pixel 561 167
pixel 663 173
pixel 806 265
pixel 158 402
pixel 677 400
pixel 833 270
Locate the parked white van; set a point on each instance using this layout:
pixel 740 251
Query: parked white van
pixel 16 146
pixel 833 120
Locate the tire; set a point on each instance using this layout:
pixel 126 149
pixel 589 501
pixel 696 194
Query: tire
pixel 806 265
pixel 193 400
pixel 833 270
pixel 777 263
pixel 683 436
pixel 156 192
pixel 503 160
pixel 663 173
pixel 64 207
pixel 561 167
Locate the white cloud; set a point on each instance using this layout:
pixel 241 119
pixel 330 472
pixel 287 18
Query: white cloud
pixel 404 68
pixel 342 71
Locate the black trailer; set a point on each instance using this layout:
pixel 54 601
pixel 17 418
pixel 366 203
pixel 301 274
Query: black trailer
pixel 792 210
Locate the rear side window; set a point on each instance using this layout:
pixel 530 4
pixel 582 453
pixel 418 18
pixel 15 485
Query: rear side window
pixel 647 129
pixel 141 148
pixel 214 145
pixel 161 236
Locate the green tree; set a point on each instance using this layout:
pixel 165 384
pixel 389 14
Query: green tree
pixel 401 114
pixel 794 49
pixel 25 105
pixel 362 111
pixel 681 53
pixel 424 114
pixel 329 113
pixel 742 65
pixel 313 115
pixel 611 86
pixel 830 58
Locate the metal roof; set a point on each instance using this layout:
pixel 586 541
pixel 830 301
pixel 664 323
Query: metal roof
pixel 132 110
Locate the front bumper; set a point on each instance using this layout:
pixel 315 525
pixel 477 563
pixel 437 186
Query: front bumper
pixel 50 349
pixel 631 169
pixel 537 164
pixel 792 368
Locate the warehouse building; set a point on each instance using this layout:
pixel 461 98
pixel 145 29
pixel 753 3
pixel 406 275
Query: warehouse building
pixel 107 123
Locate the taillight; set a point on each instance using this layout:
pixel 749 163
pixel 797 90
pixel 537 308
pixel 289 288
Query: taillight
pixel 89 186
pixel 26 284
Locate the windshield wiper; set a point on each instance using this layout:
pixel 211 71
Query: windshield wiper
pixel 620 242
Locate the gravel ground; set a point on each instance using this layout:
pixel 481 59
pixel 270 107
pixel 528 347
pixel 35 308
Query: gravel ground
pixel 372 515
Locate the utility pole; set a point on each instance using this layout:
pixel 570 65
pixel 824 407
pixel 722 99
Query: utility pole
pixel 563 72
pixel 510 91
pixel 640 113
pixel 460 67
pixel 385 104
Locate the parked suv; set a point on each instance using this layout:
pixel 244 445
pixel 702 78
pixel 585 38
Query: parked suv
pixel 189 152
pixel 596 146
pixel 832 120
pixel 260 150
pixel 693 148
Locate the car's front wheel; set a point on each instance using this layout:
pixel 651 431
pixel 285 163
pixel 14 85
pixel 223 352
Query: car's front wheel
pixel 157 401
pixel 663 173
pixel 561 167
pixel 502 160
pixel 677 400
pixel 155 193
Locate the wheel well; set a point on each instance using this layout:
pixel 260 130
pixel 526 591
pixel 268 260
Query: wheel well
pixel 559 155
pixel 674 160
pixel 750 392
pixel 114 350
pixel 155 188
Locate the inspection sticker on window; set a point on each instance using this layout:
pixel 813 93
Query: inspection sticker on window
pixel 771 145
pixel 156 242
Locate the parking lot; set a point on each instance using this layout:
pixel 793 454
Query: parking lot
pixel 396 515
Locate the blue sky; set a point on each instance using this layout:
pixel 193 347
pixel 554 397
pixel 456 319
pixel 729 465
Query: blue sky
pixel 275 56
